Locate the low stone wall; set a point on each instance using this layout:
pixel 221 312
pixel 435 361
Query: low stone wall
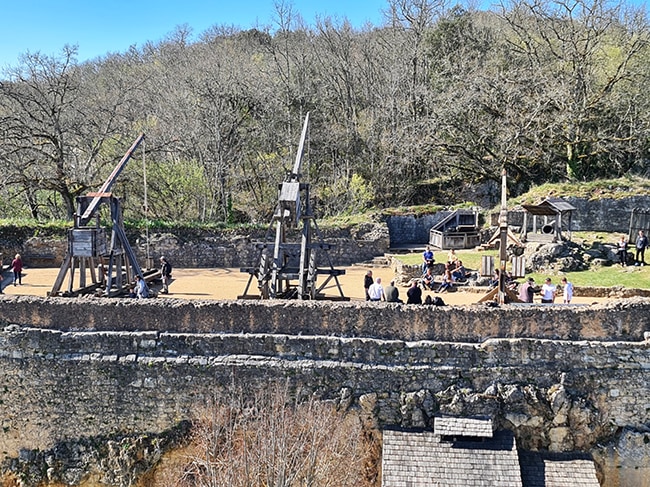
pixel 615 320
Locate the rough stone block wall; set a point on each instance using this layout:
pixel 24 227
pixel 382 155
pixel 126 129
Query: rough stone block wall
pixel 615 320
pixel 606 215
pixel 562 378
pixel 603 215
pixel 409 229
pixel 554 394
pixel 358 243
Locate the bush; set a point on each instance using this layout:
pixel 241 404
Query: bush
pixel 271 439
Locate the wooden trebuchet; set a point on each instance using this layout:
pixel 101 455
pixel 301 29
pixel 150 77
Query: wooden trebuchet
pixel 290 253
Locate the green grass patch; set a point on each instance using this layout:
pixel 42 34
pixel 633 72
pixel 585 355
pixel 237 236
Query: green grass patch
pixel 607 276
pixel 623 187
pixel 629 277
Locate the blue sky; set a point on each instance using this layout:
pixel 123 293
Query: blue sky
pixel 98 28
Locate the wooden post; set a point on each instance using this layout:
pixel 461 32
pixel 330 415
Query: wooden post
pixel 503 229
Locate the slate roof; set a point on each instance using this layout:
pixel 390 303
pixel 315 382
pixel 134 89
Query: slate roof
pixel 450 426
pixel 465 452
pixel 550 206
pixel 419 459
pixel 544 469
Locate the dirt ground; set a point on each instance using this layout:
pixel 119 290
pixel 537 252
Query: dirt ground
pixel 228 283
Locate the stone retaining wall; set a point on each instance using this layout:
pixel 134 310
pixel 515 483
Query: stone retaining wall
pixel 556 395
pixel 227 248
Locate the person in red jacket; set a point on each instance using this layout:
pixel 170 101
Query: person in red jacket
pixel 17 267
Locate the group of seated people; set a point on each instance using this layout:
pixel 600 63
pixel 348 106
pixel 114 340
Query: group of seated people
pixel 454 271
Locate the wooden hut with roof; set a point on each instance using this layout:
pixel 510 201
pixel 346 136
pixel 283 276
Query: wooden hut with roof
pixel 551 221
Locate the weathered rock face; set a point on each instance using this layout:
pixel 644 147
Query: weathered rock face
pixel 554 257
pixel 120 460
pixel 621 459
pixel 65 388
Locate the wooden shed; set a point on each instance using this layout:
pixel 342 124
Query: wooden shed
pixel 458 230
pixel 551 221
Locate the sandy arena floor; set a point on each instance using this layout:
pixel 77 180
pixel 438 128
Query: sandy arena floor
pixel 229 283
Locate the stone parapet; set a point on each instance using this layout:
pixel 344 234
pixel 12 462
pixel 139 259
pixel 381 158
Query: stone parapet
pixel 612 321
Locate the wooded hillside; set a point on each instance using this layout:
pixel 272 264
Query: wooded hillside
pixel 436 99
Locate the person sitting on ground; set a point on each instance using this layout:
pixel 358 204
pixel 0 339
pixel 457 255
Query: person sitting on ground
pixel 494 282
pixel 459 273
pixel 141 289
pixel 428 280
pixel 528 290
pixel 452 258
pixel 392 293
pixel 511 283
pixel 376 291
pixel 447 281
pixel 414 294
pixel 427 259
pixel 567 291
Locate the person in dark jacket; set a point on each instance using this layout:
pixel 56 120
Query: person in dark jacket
pixel 165 274
pixel 367 282
pixel 621 250
pixel 414 294
pixel 392 293
pixel 641 245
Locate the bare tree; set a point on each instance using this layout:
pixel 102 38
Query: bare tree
pixel 270 439
pixel 589 52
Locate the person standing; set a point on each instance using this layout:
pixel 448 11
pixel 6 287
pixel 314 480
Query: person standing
pixel 567 291
pixel 427 259
pixel 376 291
pixel 414 294
pixel 527 291
pixel 17 267
pixel 641 244
pixel 165 274
pixel 392 293
pixel 548 291
pixel 621 250
pixel 367 282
